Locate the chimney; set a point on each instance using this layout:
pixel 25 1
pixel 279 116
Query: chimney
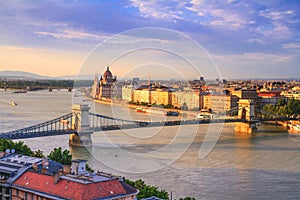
pixel 44 170
pixel 56 178
pixel 45 165
pixel 60 172
pixel 67 169
pixel 35 167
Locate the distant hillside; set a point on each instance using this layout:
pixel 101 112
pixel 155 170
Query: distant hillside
pixel 78 77
pixel 27 76
pixel 21 75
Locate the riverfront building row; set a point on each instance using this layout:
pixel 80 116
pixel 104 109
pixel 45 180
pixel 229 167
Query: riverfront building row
pixel 194 95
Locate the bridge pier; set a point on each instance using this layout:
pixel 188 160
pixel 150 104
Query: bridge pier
pixel 81 123
pixel 81 139
pixel 245 128
pixel 246 112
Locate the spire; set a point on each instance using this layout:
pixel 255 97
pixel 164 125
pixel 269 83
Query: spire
pixel 96 78
pixel 107 69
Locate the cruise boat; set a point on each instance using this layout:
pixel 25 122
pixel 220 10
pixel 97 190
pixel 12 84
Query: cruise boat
pixel 152 111
pixel 20 91
pixel 13 103
pixel 294 128
pixel 141 110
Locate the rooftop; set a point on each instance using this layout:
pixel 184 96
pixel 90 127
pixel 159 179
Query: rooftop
pixel 66 187
pixel 152 198
pixel 14 165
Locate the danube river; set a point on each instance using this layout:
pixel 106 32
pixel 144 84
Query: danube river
pixel 265 165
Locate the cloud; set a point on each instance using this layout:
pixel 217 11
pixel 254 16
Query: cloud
pixel 17 48
pixel 254 57
pixel 290 46
pixel 276 15
pixel 160 9
pixel 71 34
pixel 231 27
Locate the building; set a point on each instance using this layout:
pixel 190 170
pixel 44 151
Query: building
pixel 12 166
pixel 245 93
pixel 293 93
pixel 189 100
pixel 32 185
pixel 25 177
pixel 153 94
pixel 103 88
pixel 135 81
pixel 161 96
pixel 128 91
pixel 251 94
pixel 219 102
pixel 142 94
pixel 269 98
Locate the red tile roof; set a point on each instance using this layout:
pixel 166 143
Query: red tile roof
pixel 269 94
pixel 68 188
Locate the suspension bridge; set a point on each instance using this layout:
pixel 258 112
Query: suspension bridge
pixel 81 123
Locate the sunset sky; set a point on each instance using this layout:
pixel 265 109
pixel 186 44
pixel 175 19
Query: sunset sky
pixel 244 39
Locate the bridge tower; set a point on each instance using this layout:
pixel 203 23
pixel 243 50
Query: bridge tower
pixel 246 112
pixel 81 123
pixel 246 109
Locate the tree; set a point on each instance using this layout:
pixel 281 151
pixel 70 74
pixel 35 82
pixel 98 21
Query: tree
pixel 63 157
pixel 281 102
pixel 88 168
pixel 147 190
pixel 19 147
pixel 38 154
pixel 283 108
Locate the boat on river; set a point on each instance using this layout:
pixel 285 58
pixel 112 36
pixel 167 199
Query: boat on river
pixel 13 103
pixel 294 128
pixel 141 110
pixel 20 91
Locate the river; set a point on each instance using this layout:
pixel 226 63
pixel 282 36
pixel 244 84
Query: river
pixel 265 165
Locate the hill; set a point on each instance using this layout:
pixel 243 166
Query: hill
pixel 21 75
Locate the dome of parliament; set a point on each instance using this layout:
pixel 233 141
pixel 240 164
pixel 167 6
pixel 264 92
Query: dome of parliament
pixel 107 74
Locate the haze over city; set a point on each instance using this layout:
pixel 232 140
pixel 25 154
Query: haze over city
pixel 244 39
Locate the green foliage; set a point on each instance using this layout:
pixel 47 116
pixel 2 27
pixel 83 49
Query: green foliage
pixel 38 154
pixel 147 190
pixel 63 157
pixel 19 146
pixel 144 103
pixel 168 106
pixel 282 108
pixel 88 168
pixel 134 103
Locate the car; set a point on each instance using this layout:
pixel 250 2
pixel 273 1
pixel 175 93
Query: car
pixel 172 113
pixel 201 116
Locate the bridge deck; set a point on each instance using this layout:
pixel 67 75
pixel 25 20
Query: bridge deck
pixel 63 125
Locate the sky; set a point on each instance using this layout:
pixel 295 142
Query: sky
pixel 162 39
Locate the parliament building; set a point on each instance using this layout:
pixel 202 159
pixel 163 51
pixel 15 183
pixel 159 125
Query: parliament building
pixel 103 87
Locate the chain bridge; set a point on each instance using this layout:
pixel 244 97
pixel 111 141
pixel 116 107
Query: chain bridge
pixel 81 123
